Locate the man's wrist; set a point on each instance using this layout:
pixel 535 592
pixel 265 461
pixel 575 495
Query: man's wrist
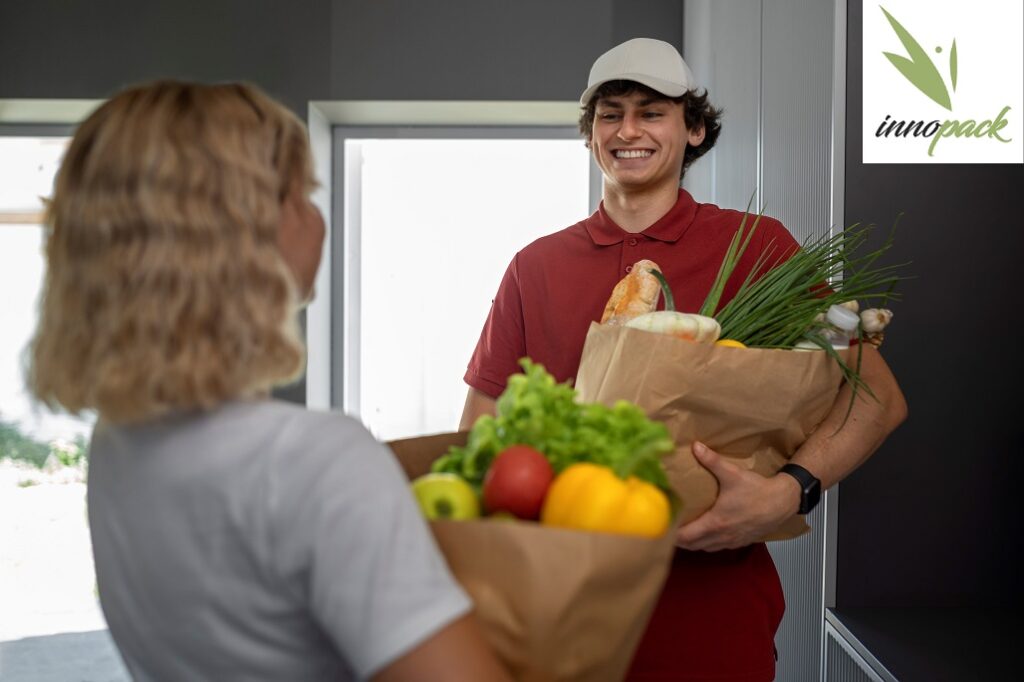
pixel 791 493
pixel 810 486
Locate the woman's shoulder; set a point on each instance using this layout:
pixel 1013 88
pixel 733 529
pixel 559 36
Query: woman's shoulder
pixel 280 412
pixel 294 427
pixel 309 456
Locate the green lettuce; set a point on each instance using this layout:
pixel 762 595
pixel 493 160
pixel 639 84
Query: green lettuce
pixel 537 411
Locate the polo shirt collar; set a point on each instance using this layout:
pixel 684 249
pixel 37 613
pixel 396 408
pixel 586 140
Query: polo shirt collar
pixel 669 228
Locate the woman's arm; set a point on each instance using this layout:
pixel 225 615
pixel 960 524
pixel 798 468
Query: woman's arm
pixel 456 653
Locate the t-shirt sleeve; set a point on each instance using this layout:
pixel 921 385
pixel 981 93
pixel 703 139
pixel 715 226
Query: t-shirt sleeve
pixel 356 547
pixel 503 339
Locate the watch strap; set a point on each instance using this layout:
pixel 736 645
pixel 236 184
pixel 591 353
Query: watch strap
pixel 810 486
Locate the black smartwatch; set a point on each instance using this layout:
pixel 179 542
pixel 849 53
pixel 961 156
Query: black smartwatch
pixel 810 487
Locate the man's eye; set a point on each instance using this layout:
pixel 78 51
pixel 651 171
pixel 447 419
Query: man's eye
pixel 652 114
pixel 608 117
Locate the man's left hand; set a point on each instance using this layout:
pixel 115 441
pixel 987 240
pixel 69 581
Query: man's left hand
pixel 749 506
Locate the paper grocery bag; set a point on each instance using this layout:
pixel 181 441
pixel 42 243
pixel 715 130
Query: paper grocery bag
pixel 754 406
pixel 555 604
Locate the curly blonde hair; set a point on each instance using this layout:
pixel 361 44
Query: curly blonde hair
pixel 165 287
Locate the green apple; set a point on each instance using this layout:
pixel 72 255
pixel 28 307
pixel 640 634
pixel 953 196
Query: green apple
pixel 446 496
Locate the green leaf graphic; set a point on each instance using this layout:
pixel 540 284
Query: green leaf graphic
pixel 919 69
pixel 952 65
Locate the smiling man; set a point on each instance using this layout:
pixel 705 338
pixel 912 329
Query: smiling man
pixel 645 123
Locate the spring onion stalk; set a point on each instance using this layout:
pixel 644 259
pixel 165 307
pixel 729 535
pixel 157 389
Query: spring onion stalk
pixel 784 306
pixel 780 308
pixel 737 246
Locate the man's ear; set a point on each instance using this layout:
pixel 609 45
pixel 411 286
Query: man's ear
pixel 696 136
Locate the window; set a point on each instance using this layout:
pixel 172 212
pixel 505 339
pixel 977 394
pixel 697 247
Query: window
pixel 47 582
pixel 431 219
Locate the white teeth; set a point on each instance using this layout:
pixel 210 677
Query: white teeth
pixel 632 153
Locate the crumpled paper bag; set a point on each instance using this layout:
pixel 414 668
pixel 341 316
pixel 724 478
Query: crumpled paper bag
pixel 754 406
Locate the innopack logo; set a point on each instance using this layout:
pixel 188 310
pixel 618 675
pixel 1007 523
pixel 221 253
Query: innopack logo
pixel 943 81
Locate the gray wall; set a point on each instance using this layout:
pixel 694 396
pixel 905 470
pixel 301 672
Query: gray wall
pixel 934 518
pixel 483 49
pixel 75 49
pixel 322 49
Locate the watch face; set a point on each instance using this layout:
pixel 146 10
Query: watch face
pixel 810 487
pixel 809 498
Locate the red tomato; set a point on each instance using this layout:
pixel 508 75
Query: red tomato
pixel 517 482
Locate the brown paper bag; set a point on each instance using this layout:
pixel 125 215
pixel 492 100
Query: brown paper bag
pixel 754 406
pixel 555 604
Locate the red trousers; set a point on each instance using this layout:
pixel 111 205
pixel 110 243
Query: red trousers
pixel 715 620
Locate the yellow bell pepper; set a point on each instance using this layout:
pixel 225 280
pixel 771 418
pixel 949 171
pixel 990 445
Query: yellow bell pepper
pixel 591 497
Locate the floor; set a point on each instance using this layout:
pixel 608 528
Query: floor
pixel 68 657
pixel 51 625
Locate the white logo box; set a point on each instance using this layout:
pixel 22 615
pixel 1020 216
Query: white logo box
pixel 901 123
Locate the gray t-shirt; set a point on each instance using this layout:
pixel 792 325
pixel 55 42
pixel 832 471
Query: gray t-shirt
pixel 261 541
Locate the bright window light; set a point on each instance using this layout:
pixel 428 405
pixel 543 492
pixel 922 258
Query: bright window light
pixel 432 225
pixel 47 582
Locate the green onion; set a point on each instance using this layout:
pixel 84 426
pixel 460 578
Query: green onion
pixel 781 308
pixel 666 290
pixel 785 305
pixel 737 246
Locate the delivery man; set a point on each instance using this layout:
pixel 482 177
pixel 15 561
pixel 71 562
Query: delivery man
pixel 645 122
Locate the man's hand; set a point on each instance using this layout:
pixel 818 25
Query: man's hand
pixel 748 507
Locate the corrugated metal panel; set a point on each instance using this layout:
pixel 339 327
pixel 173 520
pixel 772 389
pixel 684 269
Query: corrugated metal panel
pixel 796 119
pixel 770 64
pixel 722 44
pixel 840 666
pixel 842 663
pixel 800 569
pixel 796 161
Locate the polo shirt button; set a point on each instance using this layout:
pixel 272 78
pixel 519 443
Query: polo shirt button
pixel 629 268
pixel 633 242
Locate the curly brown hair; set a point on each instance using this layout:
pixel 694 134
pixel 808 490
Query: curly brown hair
pixel 697 112
pixel 165 288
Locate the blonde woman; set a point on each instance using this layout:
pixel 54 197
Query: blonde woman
pixel 235 537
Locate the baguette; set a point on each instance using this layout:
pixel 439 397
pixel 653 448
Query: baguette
pixel 634 295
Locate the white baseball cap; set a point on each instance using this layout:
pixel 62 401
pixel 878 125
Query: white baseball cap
pixel 654 63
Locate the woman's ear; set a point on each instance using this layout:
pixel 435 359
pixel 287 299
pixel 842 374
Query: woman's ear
pixel 300 238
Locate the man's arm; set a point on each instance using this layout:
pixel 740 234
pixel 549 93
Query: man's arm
pixel 457 652
pixel 750 506
pixel 832 455
pixel 477 403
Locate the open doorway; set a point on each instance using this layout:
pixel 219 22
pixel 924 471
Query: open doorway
pixel 430 218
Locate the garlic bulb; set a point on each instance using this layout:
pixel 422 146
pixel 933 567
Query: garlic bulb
pixel 875 320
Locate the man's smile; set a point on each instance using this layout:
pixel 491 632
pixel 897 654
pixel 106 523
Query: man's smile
pixel 632 153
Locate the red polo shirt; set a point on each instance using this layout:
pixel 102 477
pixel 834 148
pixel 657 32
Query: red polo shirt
pixel 555 287
pixel 717 616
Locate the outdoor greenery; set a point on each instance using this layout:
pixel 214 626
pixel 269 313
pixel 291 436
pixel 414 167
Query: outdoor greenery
pixel 18 446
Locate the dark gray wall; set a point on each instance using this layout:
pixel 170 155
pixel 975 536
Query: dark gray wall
pixel 322 49
pixel 935 517
pixel 483 49
pixel 72 49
